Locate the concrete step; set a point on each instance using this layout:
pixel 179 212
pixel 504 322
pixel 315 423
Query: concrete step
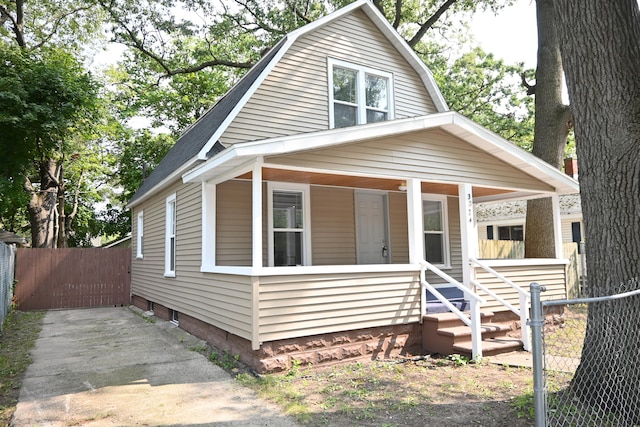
pixel 490 347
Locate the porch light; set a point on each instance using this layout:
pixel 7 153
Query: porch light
pixel 403 186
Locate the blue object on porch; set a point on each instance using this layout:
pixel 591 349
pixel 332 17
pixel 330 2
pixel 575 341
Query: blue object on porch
pixel 455 297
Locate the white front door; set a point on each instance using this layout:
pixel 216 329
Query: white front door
pixel 371 228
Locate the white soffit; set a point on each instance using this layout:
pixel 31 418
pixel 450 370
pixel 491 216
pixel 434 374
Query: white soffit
pixel 451 122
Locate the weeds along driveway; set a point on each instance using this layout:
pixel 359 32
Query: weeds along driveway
pixel 110 367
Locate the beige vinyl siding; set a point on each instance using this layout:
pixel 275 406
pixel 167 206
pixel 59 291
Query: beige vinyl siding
pixel 455 239
pixel 567 236
pixel 221 300
pixel 294 98
pixel 233 223
pixel 294 306
pixel 552 277
pixel 234 229
pixel 398 228
pixel 333 226
pixel 431 154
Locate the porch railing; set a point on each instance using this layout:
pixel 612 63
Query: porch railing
pixel 473 321
pixel 524 296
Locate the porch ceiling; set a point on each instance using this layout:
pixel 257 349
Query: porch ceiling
pixel 334 180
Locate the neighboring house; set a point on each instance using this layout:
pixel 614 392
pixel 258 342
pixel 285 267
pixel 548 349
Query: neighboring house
pixel 306 213
pixel 125 242
pixel 505 220
pixel 12 238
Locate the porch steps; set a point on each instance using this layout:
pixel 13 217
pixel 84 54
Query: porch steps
pixel 445 333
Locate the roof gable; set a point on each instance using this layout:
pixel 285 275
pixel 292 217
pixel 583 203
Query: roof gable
pixel 201 140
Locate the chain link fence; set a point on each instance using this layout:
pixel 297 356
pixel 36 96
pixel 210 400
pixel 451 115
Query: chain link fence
pixel 564 398
pixel 7 263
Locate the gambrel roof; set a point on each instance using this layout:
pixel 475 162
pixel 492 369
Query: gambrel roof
pixel 200 141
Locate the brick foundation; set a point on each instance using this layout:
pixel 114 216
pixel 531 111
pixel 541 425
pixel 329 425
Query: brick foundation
pixel 319 350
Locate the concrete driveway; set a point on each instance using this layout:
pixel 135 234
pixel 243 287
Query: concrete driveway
pixel 110 367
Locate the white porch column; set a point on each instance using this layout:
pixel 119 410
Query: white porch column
pixel 557 226
pixel 208 226
pixel 414 213
pixel 469 240
pixel 256 208
pixel 468 231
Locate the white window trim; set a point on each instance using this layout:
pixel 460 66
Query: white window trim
pixel 362 71
pixel 169 231
pixel 140 236
pixel 445 228
pixel 306 230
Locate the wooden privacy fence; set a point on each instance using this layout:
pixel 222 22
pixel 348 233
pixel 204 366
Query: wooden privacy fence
pixel 72 278
pixel 511 249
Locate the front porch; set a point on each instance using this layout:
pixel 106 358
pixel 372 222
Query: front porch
pixel 347 229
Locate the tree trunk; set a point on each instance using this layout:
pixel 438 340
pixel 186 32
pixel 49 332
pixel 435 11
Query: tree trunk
pixel 551 130
pixel 43 207
pixel 601 54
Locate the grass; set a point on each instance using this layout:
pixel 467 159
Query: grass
pixel 568 339
pixel 431 392
pixel 16 341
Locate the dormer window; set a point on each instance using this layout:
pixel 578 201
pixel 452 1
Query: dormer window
pixel 358 95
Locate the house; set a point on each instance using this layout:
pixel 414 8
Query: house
pixel 506 220
pixel 11 238
pixel 307 213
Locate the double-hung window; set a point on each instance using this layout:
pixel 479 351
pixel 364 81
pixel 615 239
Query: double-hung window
pixel 289 241
pixel 140 235
pixel 358 95
pixel 170 237
pixel 436 242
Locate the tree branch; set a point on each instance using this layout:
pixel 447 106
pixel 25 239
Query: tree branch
pixel 398 18
pixel 57 23
pixel 297 12
pixel 74 210
pixel 139 44
pixel 531 89
pixel 17 23
pixel 432 20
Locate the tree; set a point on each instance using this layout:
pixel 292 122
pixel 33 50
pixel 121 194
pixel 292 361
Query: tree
pixel 46 99
pixel 45 23
pixel 487 91
pixel 600 44
pixel 553 122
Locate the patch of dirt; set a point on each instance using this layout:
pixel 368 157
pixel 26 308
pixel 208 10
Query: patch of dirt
pixel 427 392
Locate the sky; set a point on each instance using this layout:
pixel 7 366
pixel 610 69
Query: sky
pixel 512 35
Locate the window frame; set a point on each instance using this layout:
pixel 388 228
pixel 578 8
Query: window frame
pixel 510 227
pixel 446 249
pixel 170 232
pixel 306 219
pixel 361 73
pixel 140 235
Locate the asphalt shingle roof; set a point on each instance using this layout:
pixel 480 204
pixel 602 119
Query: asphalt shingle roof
pixel 195 137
